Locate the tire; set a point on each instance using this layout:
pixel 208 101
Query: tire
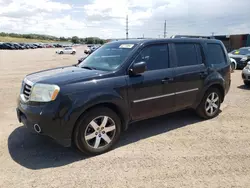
pixel 201 109
pixel 247 83
pixel 61 52
pixel 73 53
pixel 95 133
pixel 233 66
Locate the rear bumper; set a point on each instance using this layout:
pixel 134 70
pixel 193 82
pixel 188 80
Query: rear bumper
pixel 47 117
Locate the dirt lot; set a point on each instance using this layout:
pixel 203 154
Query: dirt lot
pixel 177 150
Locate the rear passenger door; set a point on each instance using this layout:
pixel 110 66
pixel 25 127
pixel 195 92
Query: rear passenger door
pixel 189 73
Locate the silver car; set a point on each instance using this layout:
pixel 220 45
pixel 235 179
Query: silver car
pixel 246 74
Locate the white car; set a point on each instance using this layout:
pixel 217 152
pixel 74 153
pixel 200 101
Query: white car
pixel 67 50
pixel 246 74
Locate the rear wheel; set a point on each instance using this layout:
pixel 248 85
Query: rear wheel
pixel 61 52
pixel 97 131
pixel 210 104
pixel 73 53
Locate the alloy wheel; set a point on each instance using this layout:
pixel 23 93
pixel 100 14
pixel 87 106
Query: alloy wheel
pixel 212 104
pixel 100 132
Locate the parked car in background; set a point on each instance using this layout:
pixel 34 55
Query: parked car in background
pixel 67 50
pixel 10 46
pixel 233 64
pixel 18 46
pixel 1 46
pixel 25 46
pixel 246 74
pixel 241 56
pixel 90 104
pixel 92 49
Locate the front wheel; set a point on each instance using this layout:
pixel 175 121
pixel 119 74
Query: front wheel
pixel 233 66
pixel 97 131
pixel 61 52
pixel 247 83
pixel 210 104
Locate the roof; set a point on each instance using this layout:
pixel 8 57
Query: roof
pixel 148 41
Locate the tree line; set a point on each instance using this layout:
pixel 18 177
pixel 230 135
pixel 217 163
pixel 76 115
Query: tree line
pixel 74 39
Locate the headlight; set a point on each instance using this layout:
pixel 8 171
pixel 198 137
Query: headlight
pixel 44 92
pixel 244 59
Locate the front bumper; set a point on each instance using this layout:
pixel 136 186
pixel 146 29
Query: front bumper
pixel 47 116
pixel 241 64
pixel 246 74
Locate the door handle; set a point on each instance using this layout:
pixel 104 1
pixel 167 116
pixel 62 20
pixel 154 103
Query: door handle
pixel 166 80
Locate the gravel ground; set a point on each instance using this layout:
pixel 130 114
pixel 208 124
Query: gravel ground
pixel 168 151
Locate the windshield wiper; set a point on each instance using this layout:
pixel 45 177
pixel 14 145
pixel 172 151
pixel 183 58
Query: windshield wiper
pixel 87 67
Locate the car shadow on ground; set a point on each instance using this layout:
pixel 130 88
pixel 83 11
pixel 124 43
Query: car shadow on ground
pixel 38 152
pixel 244 87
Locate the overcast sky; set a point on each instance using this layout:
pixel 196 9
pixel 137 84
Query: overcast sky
pixel 107 18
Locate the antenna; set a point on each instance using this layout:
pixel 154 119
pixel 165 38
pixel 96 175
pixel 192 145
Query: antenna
pixel 127 27
pixel 165 29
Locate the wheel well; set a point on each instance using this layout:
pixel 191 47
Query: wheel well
pixel 107 105
pixel 220 88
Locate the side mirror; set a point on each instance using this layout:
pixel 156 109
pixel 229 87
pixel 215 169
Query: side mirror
pixel 138 68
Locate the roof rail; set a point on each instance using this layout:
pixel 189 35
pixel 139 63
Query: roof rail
pixel 191 36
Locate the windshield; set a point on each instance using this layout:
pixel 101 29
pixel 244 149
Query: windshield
pixel 108 57
pixel 243 51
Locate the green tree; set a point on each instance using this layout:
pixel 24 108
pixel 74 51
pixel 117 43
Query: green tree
pixel 90 40
pixel 101 42
pixel 75 40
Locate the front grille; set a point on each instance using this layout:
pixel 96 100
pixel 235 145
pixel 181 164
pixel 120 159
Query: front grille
pixel 26 91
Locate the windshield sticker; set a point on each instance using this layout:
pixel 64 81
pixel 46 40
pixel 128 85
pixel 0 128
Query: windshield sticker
pixel 237 52
pixel 126 46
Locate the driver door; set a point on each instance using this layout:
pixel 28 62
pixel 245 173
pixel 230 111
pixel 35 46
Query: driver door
pixel 147 92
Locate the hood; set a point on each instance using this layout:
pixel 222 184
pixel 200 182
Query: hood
pixel 64 75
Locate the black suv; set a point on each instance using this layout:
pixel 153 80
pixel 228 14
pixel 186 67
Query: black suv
pixel 91 103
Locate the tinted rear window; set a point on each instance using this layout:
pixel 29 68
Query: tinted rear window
pixel 216 54
pixel 187 54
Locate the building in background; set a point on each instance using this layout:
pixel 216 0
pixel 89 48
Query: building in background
pixel 231 42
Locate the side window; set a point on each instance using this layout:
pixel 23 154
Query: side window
pixel 216 54
pixel 188 54
pixel 156 57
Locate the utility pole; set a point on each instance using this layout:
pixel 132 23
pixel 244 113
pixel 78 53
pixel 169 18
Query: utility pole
pixel 127 27
pixel 165 29
pixel 212 34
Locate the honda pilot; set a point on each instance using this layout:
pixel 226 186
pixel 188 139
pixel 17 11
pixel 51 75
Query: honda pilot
pixel 90 104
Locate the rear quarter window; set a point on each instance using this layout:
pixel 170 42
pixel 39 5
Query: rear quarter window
pixel 216 54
